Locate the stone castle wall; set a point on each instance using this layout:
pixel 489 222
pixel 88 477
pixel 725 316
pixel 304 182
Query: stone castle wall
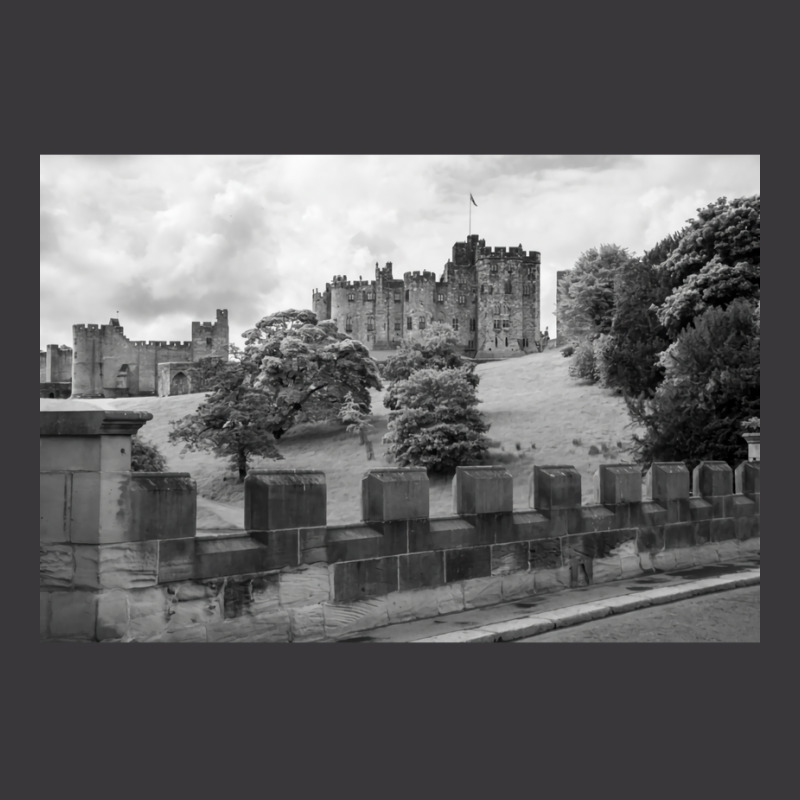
pixel 121 560
pixel 490 296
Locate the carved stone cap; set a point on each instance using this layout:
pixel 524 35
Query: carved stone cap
pixel 81 418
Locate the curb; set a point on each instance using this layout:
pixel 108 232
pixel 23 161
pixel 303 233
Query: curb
pixel 573 615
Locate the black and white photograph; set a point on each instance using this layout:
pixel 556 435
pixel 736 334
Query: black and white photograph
pixel 399 399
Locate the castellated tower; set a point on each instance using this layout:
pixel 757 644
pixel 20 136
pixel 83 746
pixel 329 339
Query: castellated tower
pixel 489 296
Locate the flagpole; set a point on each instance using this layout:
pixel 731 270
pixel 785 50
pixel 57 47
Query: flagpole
pixel 469 203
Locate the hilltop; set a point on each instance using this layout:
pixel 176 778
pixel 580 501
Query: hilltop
pixel 537 412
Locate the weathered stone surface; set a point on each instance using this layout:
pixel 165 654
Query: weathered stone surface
pixel 312 545
pixel 684 557
pixel 54 494
pixel 545 554
pixel 241 555
pixel 450 598
pixel 483 490
pixel 128 565
pixel 73 615
pixel 420 570
pixel 467 563
pixel 100 507
pixel 530 525
pixel 250 595
pixel 679 534
pixel 665 560
pixel 650 539
pixel 357 580
pixel 518 585
pixel 699 509
pixel 444 534
pixel 508 558
pixel 405 606
pixel 284 499
pixel 572 615
pixel 474 636
pixel 556 487
pixel 491 528
pixel 176 560
pixel 668 481
pixel 630 566
pixel 712 479
pixel 189 613
pixel 163 506
pixel 393 494
pixel 747 527
pixel 721 506
pixel 702 531
pixel 652 514
pixel 344 620
pixel 750 546
pixel 549 580
pixel 705 554
pixel 112 615
pixel 581 571
pixel 620 484
pixel 748 478
pixel 192 590
pixel 519 628
pixel 564 521
pixel 722 529
pixel 189 634
pixel 393 536
pixel 606 569
pixel 56 566
pixel 743 506
pixel 305 587
pixel 273 627
pixel 482 592
pixel 148 613
pixel 307 623
pixel 353 543
pixel 728 549
pixel 597 518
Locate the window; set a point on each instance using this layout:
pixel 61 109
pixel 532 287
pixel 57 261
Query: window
pixel 491 289
pixel 471 343
pixel 506 341
pixel 370 322
pixel 440 298
pixel 370 295
pixel 483 288
pixel 348 324
pixel 397 327
pixel 409 322
pixel 526 289
pixel 208 341
pixel 422 323
pixel 507 287
pixel 494 268
pixel 351 297
pixel 472 324
pixel 397 297
pixel 455 323
pixel 506 323
pixel 461 299
pixel 406 295
pixel 497 324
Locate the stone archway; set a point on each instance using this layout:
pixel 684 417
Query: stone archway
pixel 180 384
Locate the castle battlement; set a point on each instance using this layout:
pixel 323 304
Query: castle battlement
pixel 419 277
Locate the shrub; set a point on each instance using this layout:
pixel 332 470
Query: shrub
pixel 146 457
pixel 593 451
pixel 568 351
pixel 584 365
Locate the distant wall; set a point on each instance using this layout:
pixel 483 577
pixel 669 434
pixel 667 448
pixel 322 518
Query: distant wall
pixel 120 558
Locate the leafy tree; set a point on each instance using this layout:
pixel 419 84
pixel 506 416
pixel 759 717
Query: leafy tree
pixel 711 385
pixel 289 361
pixel 146 457
pixel 435 422
pixel 358 422
pixel 588 291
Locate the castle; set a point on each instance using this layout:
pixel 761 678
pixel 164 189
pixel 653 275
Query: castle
pixel 103 362
pixel 490 297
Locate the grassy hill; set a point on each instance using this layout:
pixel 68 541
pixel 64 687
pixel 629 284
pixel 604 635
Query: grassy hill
pixel 538 415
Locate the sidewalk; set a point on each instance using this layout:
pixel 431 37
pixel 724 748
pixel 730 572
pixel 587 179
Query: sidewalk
pixel 543 612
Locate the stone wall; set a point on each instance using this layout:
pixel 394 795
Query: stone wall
pixel 120 559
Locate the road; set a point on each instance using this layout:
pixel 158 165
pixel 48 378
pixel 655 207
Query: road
pixel 730 616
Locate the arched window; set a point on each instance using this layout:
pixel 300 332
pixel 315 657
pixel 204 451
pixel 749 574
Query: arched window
pixel 180 384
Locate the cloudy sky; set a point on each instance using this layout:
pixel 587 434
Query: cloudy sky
pixel 159 241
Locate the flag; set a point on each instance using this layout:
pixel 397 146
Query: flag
pixel 473 200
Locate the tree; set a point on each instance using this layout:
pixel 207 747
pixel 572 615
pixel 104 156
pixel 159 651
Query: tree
pixel 435 422
pixel 358 422
pixel 711 386
pixel 588 291
pixel 289 361
pixel 146 457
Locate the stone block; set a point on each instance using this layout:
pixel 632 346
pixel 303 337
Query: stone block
pixel 483 490
pixel 190 613
pixel 353 543
pixel 394 494
pixel 190 634
pixel 404 606
pixel 750 546
pixel 652 514
pixel 630 566
pixel 467 563
pixel 275 627
pixel 722 529
pixel 606 569
pixel 668 481
pixel 100 507
pixel 545 554
pixel 421 570
pixel 253 595
pixel 305 586
pixel 55 490
pixel 564 521
pixel 700 509
pixel 176 559
pixel 345 620
pixel 358 580
pixel 73 615
pixel 556 487
pixel 56 566
pixel 307 623
pixel 746 527
pixel 491 528
pixel 650 539
pixel 721 506
pixel 480 592
pixel 530 525
pixel 163 506
pixel 728 550
pixel 596 545
pixel 444 534
pixel 702 532
pixel 664 560
pixel 551 580
pixel 126 565
pixel 419 538
pixel 450 598
pixel 679 534
pixel 581 571
pixel 284 499
pixel 241 555
pixel 394 536
pixel 684 557
pixel 508 558
pixel 748 478
pixel 312 545
pixel 712 479
pixel 705 554
pixel 743 506
pixel 620 484
pixel 678 510
pixel 597 518
pixel 112 615
pixel 69 453
pixel 518 585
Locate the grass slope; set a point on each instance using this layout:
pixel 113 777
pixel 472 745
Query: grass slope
pixel 538 415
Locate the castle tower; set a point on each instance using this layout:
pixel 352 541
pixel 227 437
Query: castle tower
pixel 419 308
pixel 210 341
pixel 87 361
